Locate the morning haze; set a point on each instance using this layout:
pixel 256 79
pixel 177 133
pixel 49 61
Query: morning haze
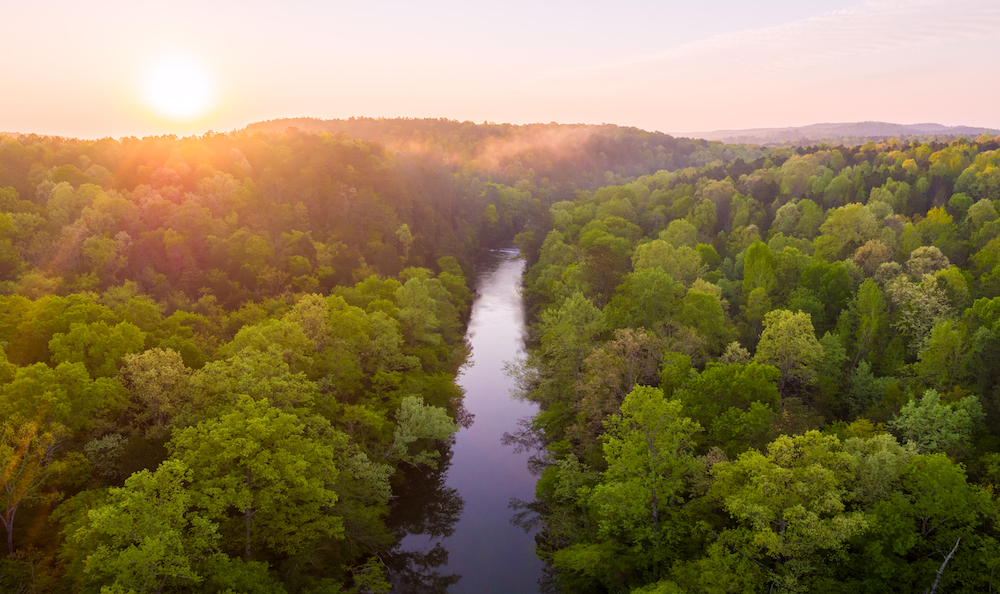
pixel 516 298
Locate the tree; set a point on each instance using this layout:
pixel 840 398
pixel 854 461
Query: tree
pixel 611 372
pixel 683 264
pixel 406 238
pixel 416 313
pixel 921 306
pixel 789 343
pixel 880 464
pixel 703 311
pixel 26 460
pixel 567 332
pixel 790 504
pixel 736 404
pixel 869 308
pixel 935 426
pixel 150 536
pixel 65 396
pixel 871 255
pixel 646 298
pixel 415 421
pixel 158 382
pixel 759 269
pixel 929 506
pixel 680 233
pixel 98 346
pixel 926 259
pixel 943 358
pixel 259 462
pixel 846 229
pixel 648 450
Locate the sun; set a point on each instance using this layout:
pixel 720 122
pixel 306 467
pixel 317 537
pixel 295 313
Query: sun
pixel 178 88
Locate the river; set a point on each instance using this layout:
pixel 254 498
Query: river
pixel 461 540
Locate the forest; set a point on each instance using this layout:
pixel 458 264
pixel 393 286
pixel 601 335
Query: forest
pixel 771 376
pixel 223 356
pixel 758 369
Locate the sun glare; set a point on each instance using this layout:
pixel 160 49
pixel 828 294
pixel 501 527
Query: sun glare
pixel 178 89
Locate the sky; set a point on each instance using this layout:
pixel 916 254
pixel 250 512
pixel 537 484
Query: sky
pixel 103 68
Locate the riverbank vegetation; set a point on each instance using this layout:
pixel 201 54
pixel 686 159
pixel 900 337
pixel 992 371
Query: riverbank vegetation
pixel 226 358
pixel 775 375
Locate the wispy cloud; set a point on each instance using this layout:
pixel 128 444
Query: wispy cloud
pixel 875 30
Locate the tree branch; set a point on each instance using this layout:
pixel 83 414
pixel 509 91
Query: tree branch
pixel 941 571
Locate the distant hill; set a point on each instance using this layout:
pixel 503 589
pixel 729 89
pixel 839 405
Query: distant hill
pixel 564 157
pixel 845 133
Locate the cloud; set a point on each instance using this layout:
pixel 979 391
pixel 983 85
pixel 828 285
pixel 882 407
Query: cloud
pixel 883 30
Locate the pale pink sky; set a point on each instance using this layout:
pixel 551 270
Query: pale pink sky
pixel 75 69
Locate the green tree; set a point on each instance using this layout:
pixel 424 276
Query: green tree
pixel 790 505
pixel 417 421
pixel 406 237
pixel 650 463
pixel 260 463
pixel 869 311
pixel 27 459
pixel 150 537
pixel 936 426
pixel 157 381
pixel 789 343
pixel 736 404
pixel 646 298
pixel 567 333
pixel 416 313
pixel 943 358
pixel 98 346
pixel 759 269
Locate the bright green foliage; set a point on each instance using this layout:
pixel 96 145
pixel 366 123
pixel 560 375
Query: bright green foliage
pixel 759 269
pixel 27 450
pixel 935 426
pixel 943 358
pixel 151 539
pixel 648 449
pixel 845 230
pixel 645 299
pixel 789 343
pixel 98 346
pixel 880 463
pixel 295 345
pixel 683 264
pixel 257 374
pixel 703 312
pixel 736 404
pixel 416 313
pixel 680 233
pixel 257 473
pixel 65 395
pixel 790 504
pixel 417 421
pixel 157 381
pixel 566 334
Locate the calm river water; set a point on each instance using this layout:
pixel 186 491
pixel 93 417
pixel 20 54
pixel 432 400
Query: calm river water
pixel 462 540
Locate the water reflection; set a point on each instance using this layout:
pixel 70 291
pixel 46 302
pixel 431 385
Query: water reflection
pixel 424 505
pixel 454 523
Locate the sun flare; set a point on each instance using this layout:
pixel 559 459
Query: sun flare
pixel 178 88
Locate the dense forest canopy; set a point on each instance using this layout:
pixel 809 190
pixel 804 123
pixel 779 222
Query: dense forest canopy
pixel 777 376
pixel 759 369
pixel 224 355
